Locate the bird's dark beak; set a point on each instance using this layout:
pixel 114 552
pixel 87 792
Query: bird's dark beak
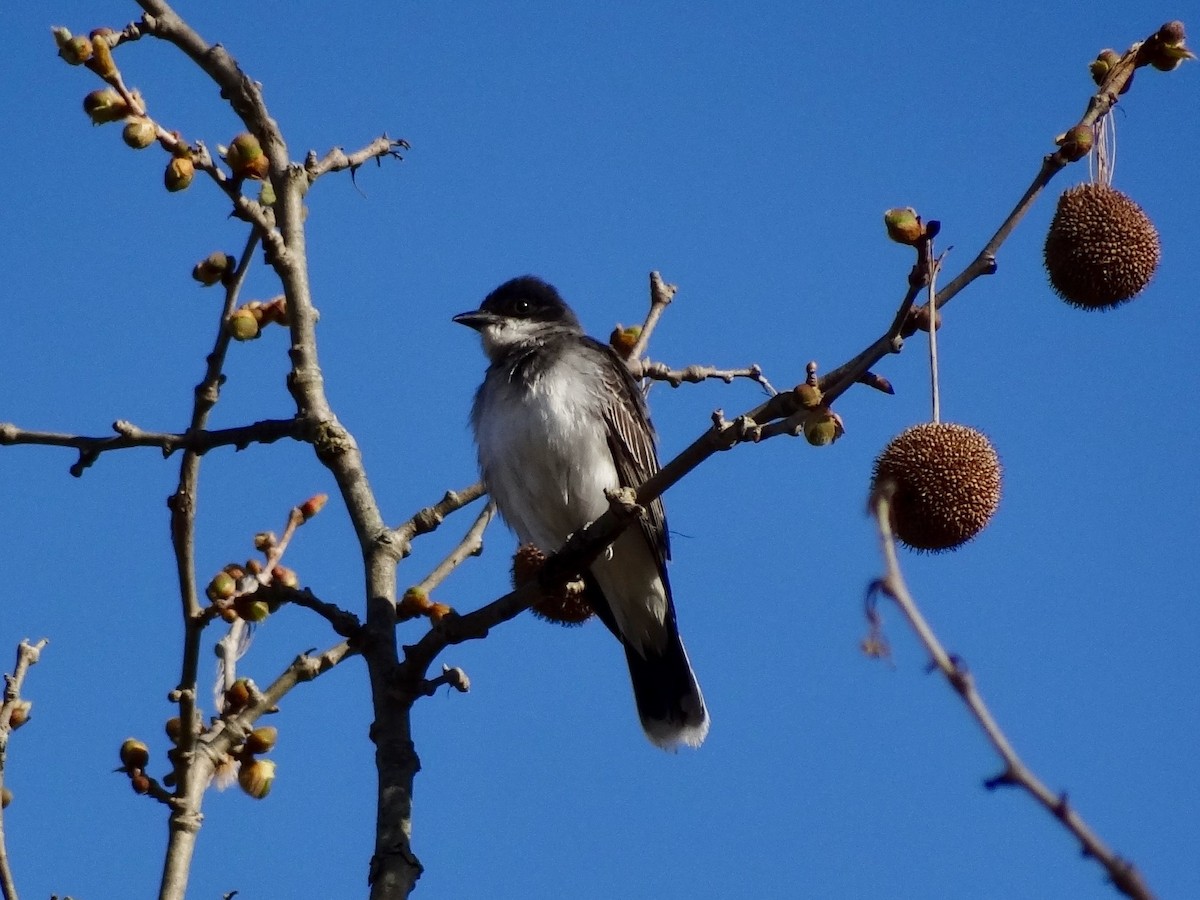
pixel 476 318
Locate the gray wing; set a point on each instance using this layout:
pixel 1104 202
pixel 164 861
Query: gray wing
pixel 631 441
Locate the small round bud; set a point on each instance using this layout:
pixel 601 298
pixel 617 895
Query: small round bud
pixel 313 505
pixel 140 783
pixel 1166 50
pixel 253 567
pixel 174 729
pixel 265 541
pixel 823 426
pixel 105 105
pixel 276 311
pixel 1076 143
pixel 134 754
pixel 6 797
pixel 251 609
pixel 918 320
pixel 808 395
pixel 179 173
pixel 75 50
pixel 20 713
pixel 903 225
pixel 102 62
pixel 238 695
pixel 262 740
pixel 139 133
pixel 246 158
pixel 285 577
pixel 242 325
pixel 222 587
pixel 1102 64
pixel 623 340
pixel 255 777
pixel 212 268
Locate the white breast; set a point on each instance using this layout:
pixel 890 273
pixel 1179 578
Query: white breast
pixel 545 458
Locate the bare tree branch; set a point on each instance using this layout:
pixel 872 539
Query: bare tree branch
pixel 644 368
pixel 470 545
pixel 661 295
pixel 337 160
pixel 1016 774
pixel 430 517
pixel 129 435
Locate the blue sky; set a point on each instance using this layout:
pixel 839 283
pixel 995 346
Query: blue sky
pixel 747 151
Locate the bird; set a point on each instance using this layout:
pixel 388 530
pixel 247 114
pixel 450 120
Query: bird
pixel 558 420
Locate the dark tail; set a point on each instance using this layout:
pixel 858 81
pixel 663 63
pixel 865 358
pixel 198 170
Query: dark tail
pixel 668 698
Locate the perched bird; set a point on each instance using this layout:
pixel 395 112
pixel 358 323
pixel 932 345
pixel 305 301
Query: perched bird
pixel 558 420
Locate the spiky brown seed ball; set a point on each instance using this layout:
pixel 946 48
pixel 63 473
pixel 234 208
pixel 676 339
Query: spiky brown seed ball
pixel 566 607
pixel 947 481
pixel 1102 249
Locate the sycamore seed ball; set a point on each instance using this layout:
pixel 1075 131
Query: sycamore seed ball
pixel 564 607
pixel 1102 249
pixel 947 480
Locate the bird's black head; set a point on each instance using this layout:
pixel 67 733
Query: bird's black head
pixel 528 297
pixel 523 313
pixel 523 305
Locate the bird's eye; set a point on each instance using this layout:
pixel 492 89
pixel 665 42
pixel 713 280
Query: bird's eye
pixel 522 307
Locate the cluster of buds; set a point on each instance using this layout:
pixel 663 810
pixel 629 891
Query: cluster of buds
pixel 117 104
pixel 822 426
pixel 240 592
pixel 18 715
pixel 904 226
pixel 623 340
pixel 416 603
pixel 254 775
pixel 214 268
pixel 135 756
pixel 245 591
pixel 247 321
pixel 1165 49
pixel 93 51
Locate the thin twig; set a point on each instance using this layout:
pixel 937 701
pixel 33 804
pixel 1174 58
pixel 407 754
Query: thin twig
pixel 129 435
pixel 1122 873
pixel 661 295
pixel 470 545
pixel 644 368
pixel 430 517
pixel 343 621
pixel 27 655
pixel 337 159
